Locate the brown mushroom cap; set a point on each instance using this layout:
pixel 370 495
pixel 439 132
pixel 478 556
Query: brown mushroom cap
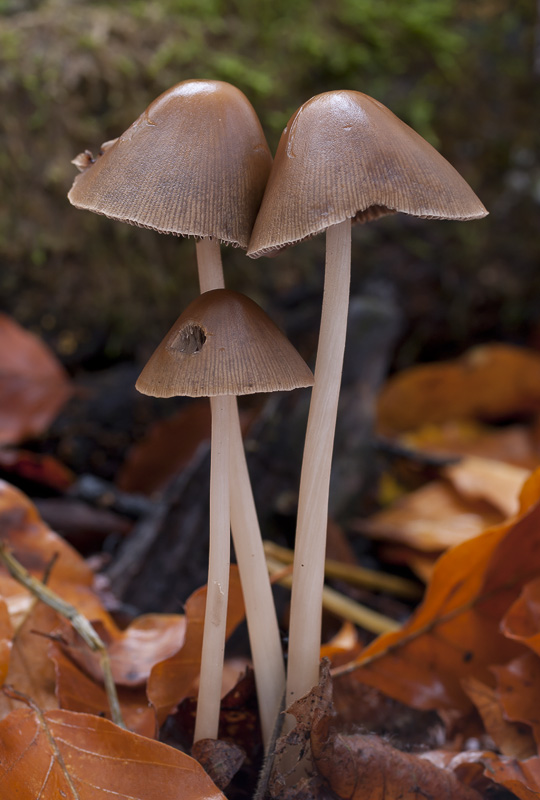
pixel 195 163
pixel 345 155
pixel 222 344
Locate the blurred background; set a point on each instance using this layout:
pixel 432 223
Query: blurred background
pixel 75 73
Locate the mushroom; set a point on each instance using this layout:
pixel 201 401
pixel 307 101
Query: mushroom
pixel 222 345
pixel 195 163
pixel 343 158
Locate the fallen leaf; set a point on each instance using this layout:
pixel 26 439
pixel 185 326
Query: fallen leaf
pixel 41 469
pixel 522 622
pixel 520 777
pixel 33 384
pixel 221 760
pixel 167 448
pixel 518 691
pixel 514 444
pixel 432 518
pixel 6 635
pixel 495 482
pixel 64 754
pixel 172 679
pixel 76 691
pixel 455 633
pixel 489 382
pixel 510 738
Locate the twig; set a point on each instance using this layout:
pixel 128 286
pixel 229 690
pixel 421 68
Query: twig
pixel 343 606
pixel 80 624
pixel 356 576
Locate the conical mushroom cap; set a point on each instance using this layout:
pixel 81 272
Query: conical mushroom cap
pixel 223 343
pixel 345 155
pixel 195 163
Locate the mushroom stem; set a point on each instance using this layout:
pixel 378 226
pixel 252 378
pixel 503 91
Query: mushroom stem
pixel 209 265
pixel 261 617
pixel 310 543
pixel 215 618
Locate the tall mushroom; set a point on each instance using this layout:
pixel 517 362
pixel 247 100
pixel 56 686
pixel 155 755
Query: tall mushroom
pixel 222 345
pixel 343 157
pixel 195 163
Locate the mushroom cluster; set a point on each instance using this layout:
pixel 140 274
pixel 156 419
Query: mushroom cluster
pixel 196 163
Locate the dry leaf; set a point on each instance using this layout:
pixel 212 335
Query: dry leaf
pixel 515 444
pixel 221 760
pixel 62 754
pixel 33 384
pixel 518 691
pixel 455 632
pixel 77 691
pixel 522 622
pixel 487 383
pixel 432 518
pixel 172 679
pixel 495 482
pixel 511 739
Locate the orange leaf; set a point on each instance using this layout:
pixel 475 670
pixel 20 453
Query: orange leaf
pixel 171 680
pixel 455 632
pixel 487 383
pixel 64 754
pixel 76 691
pixel 511 739
pixel 33 385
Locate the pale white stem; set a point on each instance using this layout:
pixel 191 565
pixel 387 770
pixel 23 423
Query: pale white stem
pixel 260 611
pixel 261 617
pixel 209 265
pixel 215 618
pixel 310 543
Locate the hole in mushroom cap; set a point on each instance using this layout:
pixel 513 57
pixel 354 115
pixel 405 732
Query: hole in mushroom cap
pixel 189 340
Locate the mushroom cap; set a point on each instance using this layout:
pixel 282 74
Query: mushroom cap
pixel 345 155
pixel 222 344
pixel 195 163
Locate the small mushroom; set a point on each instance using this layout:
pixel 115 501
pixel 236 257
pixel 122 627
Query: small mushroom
pixel 195 163
pixel 343 157
pixel 222 345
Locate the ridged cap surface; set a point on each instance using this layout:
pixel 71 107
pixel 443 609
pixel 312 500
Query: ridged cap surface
pixel 195 163
pixel 345 155
pixel 223 344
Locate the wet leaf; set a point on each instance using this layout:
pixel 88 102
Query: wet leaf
pixel 33 384
pixel 172 679
pixel 69 755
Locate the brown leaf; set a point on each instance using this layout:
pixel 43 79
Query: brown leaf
pixel 495 482
pixel 134 651
pixel 77 691
pixel 39 468
pixel 167 449
pixel 520 777
pixel 357 767
pixel 33 385
pixel 518 690
pixel 64 754
pixel 487 383
pixel 432 518
pixel 511 739
pixel 455 632
pixel 6 634
pixel 522 622
pixel 515 444
pixel 221 760
pixel 171 680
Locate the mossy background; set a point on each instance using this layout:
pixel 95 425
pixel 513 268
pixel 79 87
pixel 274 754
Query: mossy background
pixel 74 73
